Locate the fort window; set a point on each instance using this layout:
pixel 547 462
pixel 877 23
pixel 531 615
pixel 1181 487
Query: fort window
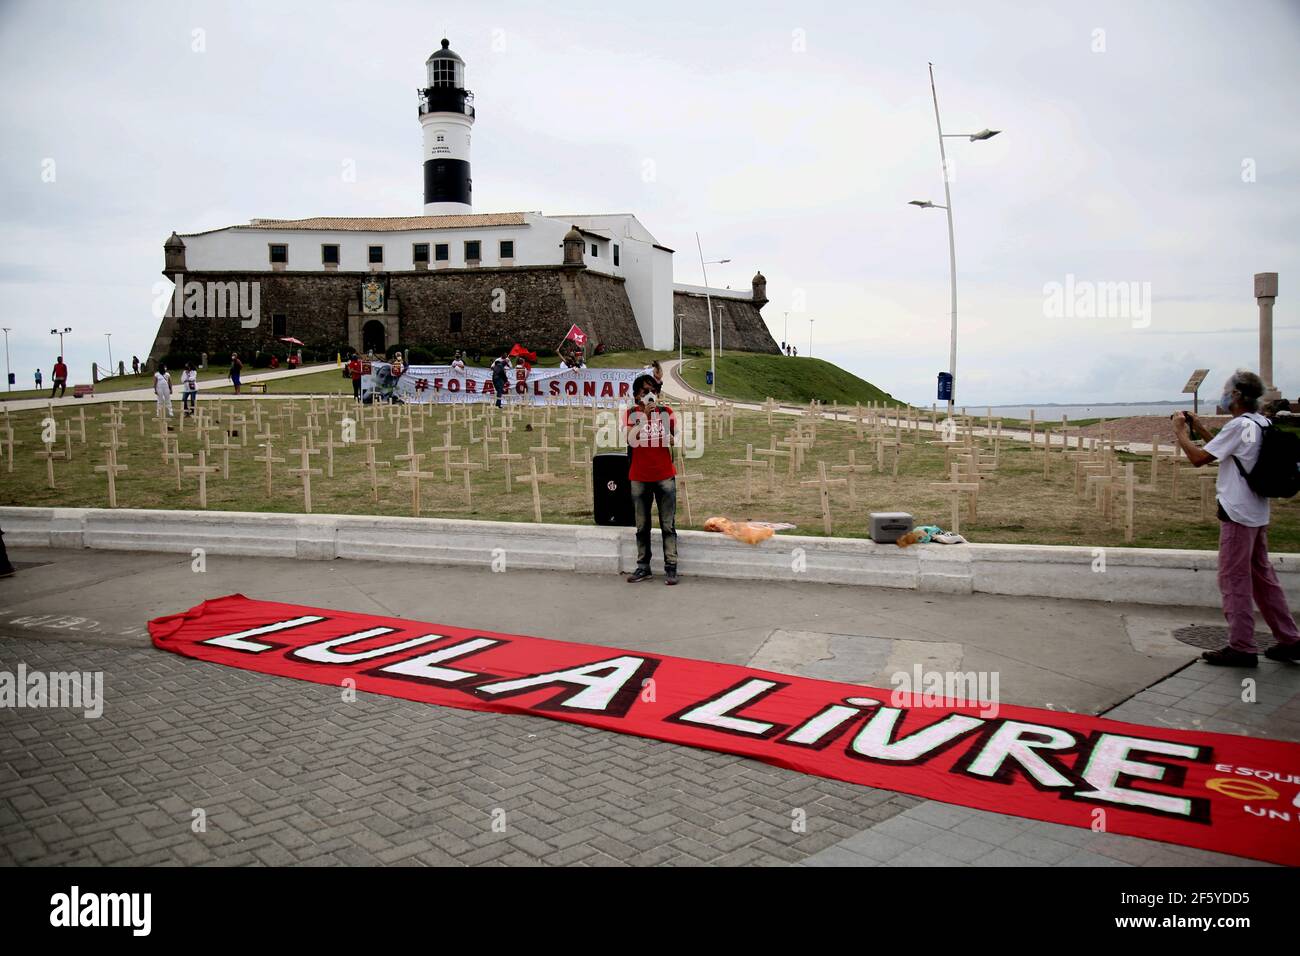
pixel 472 250
pixel 376 255
pixel 594 251
pixel 329 255
pixel 279 252
pixel 279 324
pixel 453 324
pixel 507 249
pixel 440 252
pixel 420 252
pixel 616 253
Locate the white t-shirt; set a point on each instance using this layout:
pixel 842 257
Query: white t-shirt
pixel 190 379
pixel 1239 439
pixel 162 384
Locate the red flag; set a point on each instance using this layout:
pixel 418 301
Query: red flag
pixel 522 352
pixel 578 336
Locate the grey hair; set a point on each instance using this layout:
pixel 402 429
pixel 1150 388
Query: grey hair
pixel 1249 386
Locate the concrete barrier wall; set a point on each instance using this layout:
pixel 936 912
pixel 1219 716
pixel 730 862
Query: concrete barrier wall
pixel 1136 575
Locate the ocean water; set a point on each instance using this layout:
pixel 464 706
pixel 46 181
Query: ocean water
pixel 1054 412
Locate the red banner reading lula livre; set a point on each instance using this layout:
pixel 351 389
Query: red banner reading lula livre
pixel 1215 791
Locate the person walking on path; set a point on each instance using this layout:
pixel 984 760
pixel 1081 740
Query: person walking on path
pixel 1245 573
pixel 162 388
pixel 189 389
pixel 650 429
pixel 60 377
pixel 236 367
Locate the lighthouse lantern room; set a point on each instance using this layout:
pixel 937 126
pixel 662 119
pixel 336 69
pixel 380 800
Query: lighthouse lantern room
pixel 446 118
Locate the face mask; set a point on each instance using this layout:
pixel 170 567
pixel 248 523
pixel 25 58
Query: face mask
pixel 649 398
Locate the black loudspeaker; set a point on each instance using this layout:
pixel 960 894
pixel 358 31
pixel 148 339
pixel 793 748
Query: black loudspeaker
pixel 611 490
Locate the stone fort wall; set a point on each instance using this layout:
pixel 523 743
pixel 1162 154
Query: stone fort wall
pixel 538 304
pixel 740 321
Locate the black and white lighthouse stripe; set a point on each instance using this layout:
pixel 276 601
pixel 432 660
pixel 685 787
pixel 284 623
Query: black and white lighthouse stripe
pixel 447 180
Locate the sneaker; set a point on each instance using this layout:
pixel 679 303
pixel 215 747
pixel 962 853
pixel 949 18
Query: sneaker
pixel 640 574
pixel 1229 657
pixel 1284 652
pixel 671 575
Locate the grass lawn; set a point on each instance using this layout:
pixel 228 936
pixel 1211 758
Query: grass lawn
pixel 751 377
pixel 1016 504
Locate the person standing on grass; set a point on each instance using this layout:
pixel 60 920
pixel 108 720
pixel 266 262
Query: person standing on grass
pixel 60 378
pixel 38 379
pixel 354 373
pixel 162 388
pixel 501 376
pixel 236 369
pixel 1245 573
pixel 650 430
pixel 189 389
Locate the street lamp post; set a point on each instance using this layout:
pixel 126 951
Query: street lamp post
pixel 810 324
pixel 708 301
pixel 952 244
pixel 109 336
pixel 60 333
pixel 9 375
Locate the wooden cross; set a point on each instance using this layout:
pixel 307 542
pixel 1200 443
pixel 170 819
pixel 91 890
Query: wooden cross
pixel 110 468
pixel 225 447
pixel 177 457
pixel 749 464
pixel 466 466
pixel 546 449
pixel 202 469
pixel 140 413
pixel 305 471
pixel 10 441
pixel 49 455
pixel 956 487
pixel 329 444
pixel 769 406
pixel 853 469
pixel 825 487
pixel 269 458
pixel 414 473
pixel 774 453
pixel 534 479
pixel 684 481
pixel 506 457
pixel 445 449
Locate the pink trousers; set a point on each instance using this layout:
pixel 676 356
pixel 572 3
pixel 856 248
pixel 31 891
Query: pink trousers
pixel 1245 575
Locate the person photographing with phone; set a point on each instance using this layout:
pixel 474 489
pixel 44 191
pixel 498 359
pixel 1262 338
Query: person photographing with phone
pixel 1249 473
pixel 651 430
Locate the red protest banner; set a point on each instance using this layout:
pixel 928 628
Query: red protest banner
pixel 1231 794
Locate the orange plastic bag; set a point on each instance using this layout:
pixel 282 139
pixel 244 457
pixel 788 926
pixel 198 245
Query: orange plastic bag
pixel 741 531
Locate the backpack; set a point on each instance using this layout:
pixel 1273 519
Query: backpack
pixel 1277 470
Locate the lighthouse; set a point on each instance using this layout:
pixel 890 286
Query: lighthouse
pixel 446 118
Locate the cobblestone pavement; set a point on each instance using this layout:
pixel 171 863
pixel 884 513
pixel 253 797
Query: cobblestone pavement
pixel 288 773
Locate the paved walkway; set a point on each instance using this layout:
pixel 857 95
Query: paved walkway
pixel 146 394
pixel 283 771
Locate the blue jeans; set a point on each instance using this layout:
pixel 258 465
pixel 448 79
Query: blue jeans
pixel 664 495
pixel 188 398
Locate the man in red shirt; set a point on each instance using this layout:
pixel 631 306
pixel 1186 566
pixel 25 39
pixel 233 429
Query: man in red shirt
pixel 651 428
pixel 354 370
pixel 60 377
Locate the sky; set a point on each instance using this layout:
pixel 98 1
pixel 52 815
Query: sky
pixel 1151 149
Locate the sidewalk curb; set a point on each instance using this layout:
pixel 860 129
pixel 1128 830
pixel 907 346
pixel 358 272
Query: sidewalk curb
pixel 1181 578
